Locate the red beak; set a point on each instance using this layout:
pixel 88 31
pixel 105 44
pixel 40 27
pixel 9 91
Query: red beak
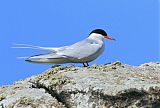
pixel 108 37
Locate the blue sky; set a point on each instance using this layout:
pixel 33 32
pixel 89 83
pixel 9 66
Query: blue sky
pixel 134 23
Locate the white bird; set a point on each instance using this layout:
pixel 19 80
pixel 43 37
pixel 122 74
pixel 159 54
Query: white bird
pixel 83 51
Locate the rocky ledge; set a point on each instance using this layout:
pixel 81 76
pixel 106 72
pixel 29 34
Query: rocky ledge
pixel 113 85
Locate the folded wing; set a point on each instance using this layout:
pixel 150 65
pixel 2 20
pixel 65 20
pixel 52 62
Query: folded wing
pixel 47 58
pixel 82 49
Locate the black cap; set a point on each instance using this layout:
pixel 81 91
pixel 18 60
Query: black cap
pixel 99 31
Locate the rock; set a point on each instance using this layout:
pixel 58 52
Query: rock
pixel 113 85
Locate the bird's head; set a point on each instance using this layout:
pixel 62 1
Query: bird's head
pixel 101 33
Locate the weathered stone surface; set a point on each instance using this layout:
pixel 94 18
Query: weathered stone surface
pixel 114 85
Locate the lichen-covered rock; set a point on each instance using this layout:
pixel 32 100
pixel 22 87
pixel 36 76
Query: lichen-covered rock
pixel 113 85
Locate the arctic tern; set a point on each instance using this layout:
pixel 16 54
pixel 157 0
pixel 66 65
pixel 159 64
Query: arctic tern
pixel 83 51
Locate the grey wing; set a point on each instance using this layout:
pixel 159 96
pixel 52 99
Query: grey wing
pixel 81 49
pixel 47 58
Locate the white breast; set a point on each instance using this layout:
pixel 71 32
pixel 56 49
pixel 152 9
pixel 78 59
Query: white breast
pixel 98 39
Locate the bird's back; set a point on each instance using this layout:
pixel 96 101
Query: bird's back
pixel 83 51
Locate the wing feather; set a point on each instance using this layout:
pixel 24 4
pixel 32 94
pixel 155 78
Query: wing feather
pixel 81 49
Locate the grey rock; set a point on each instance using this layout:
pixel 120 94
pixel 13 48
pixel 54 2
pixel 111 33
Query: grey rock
pixel 113 85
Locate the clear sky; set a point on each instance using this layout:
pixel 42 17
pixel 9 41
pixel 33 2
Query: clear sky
pixel 134 24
